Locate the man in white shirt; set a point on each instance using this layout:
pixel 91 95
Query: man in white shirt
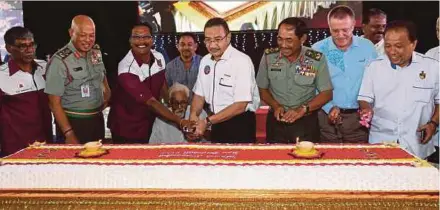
pixel 165 132
pixel 401 91
pixel 373 26
pixel 434 52
pixel 226 81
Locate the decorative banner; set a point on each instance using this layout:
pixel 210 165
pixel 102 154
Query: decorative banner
pixel 181 154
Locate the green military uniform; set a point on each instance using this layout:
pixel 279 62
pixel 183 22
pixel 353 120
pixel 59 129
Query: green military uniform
pixel 293 84
pixel 79 82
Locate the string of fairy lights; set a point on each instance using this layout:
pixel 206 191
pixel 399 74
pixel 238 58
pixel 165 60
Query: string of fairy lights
pixel 246 41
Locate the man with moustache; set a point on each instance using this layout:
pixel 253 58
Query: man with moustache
pixel 184 69
pixel 24 110
pixel 162 131
pixel 288 79
pixel 226 81
pixel 401 91
pixel 141 77
pixel 77 86
pixel 373 26
pixel 347 57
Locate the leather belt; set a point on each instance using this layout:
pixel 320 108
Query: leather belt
pixel 348 111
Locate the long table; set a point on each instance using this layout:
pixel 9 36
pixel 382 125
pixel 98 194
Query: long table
pixel 207 176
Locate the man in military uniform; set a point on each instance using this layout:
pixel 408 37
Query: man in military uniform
pixel 288 79
pixel 77 86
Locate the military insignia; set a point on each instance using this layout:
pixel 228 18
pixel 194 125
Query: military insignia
pixel 275 69
pixel 271 50
pixel 159 63
pixel 96 47
pixel 96 57
pixel 315 55
pixel 422 75
pixel 207 69
pixel 77 69
pixel 64 53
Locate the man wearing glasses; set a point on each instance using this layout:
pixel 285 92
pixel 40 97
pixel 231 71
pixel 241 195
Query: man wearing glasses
pixel 288 79
pixel 24 111
pixel 226 81
pixel 77 86
pixel 162 131
pixel 141 78
pixel 184 69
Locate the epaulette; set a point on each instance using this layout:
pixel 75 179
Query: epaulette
pixel 271 50
pixel 64 53
pixel 96 47
pixel 315 55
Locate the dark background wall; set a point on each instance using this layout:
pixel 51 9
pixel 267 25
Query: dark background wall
pixel 50 21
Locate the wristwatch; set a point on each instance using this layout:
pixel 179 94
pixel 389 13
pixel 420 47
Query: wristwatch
pixel 306 108
pixel 208 123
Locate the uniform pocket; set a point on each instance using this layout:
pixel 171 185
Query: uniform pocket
pixel 422 93
pixel 304 80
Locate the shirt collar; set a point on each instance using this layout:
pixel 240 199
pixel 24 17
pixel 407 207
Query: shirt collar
pixel 14 68
pixel 76 53
pixel 139 60
pixel 354 43
pixel 226 55
pixel 413 59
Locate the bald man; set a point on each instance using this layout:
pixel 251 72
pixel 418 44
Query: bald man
pixel 77 86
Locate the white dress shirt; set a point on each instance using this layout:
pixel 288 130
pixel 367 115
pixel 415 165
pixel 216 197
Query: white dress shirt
pixel 166 133
pixel 403 100
pixel 229 80
pixel 434 53
pixel 380 47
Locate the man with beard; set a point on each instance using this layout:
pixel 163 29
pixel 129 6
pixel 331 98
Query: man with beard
pixel 373 26
pixel 77 86
pixel 162 131
pixel 401 91
pixel 24 111
pixel 184 69
pixel 226 81
pixel 141 77
pixel 288 79
pixel 347 57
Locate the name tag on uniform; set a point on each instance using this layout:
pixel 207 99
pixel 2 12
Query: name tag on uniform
pixel 275 69
pixel 85 91
pixel 78 69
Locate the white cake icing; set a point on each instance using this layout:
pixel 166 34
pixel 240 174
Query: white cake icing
pixel 347 178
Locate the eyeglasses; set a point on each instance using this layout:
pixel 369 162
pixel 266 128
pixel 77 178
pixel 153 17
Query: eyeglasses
pixel 138 37
pixel 24 47
pixel 179 103
pixel 216 40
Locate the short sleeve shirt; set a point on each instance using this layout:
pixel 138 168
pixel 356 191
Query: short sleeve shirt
pixel 228 80
pixel 294 83
pixel 78 80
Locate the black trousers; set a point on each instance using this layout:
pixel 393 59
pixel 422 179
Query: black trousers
pixel 239 129
pixel 86 129
pixel 306 128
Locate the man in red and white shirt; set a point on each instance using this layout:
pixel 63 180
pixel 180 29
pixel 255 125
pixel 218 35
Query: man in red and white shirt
pixel 141 77
pixel 24 111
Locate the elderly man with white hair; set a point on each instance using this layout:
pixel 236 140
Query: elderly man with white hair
pixel 165 132
pixel 434 52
